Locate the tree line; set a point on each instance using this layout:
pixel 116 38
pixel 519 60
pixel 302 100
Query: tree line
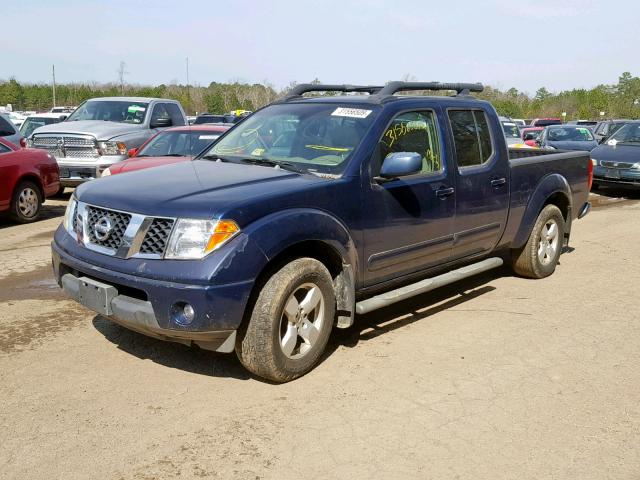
pixel 621 100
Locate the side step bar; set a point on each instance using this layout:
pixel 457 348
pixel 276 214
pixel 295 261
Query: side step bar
pixel 408 291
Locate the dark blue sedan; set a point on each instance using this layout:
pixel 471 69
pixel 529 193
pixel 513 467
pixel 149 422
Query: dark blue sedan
pixel 567 137
pixel 617 162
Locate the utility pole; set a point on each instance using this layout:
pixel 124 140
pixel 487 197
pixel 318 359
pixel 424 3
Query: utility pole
pixel 122 71
pixel 54 85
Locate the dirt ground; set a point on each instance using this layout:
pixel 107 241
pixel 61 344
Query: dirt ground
pixel 495 378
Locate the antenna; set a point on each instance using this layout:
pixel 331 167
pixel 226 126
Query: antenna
pixel 54 84
pixel 188 89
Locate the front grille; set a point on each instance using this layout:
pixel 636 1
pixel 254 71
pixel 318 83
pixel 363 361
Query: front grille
pixel 621 165
pixel 155 241
pixel 119 222
pixel 62 146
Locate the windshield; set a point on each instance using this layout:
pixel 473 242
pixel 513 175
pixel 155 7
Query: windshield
pixel 185 143
pixel 31 123
pixel 110 111
pixel 629 133
pixel 511 130
pixel 318 138
pixel 572 134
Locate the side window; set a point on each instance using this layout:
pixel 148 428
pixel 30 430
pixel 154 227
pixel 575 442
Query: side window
pixel 471 136
pixel 176 115
pixel 4 149
pixel 159 111
pixel 414 132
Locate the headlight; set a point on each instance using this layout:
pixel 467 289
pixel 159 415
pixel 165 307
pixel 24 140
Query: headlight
pixel 106 172
pixel 29 143
pixel 112 148
pixel 193 239
pixel 594 161
pixel 69 213
pixel 636 166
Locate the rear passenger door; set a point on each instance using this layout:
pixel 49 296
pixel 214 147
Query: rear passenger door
pixel 482 182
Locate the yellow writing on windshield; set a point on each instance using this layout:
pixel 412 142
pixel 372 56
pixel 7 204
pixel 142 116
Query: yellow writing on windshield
pixel 327 148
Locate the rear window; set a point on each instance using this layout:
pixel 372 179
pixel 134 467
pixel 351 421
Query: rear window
pixel 471 137
pixel 548 121
pixel 6 127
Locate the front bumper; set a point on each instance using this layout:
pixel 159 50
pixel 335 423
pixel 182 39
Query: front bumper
pixel 629 178
pixel 75 171
pixel 143 296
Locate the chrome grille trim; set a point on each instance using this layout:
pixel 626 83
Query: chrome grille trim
pixel 128 242
pixel 67 145
pixel 621 165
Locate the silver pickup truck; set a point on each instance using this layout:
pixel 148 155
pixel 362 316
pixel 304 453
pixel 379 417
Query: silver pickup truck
pixel 101 131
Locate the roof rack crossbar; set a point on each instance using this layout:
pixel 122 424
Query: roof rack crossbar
pixel 461 88
pixel 303 88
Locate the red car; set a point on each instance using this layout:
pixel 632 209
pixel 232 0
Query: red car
pixel 27 177
pixel 530 135
pixel 173 145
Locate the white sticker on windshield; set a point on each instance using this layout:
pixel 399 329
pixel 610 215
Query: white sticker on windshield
pixel 208 137
pixel 351 112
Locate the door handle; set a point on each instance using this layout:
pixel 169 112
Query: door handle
pixel 498 182
pixel 445 192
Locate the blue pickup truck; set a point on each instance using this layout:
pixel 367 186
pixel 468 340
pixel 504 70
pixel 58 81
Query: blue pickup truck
pixel 312 210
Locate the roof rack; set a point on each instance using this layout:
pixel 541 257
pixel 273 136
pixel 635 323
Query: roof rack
pixel 379 91
pixel 303 88
pixel 461 88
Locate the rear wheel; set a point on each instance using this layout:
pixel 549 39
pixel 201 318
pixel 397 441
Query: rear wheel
pixel 290 322
pixel 539 257
pixel 26 203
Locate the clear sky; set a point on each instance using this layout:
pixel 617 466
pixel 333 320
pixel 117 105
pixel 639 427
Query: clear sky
pixel 559 44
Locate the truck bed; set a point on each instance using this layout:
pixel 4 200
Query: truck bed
pixel 529 167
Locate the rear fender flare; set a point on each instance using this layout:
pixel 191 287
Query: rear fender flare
pixel 549 186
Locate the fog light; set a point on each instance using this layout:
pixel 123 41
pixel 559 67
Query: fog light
pixel 182 313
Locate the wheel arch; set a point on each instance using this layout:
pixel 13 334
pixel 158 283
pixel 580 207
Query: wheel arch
pixel 298 233
pixel 31 177
pixel 552 190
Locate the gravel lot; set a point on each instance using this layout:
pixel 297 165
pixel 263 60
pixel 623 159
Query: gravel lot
pixel 497 377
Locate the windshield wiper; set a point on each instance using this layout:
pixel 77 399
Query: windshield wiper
pixel 213 156
pixel 273 163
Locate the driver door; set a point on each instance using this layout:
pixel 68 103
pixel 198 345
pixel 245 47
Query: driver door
pixel 409 220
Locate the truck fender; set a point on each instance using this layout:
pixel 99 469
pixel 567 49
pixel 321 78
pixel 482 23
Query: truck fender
pixel 133 139
pixel 280 232
pixel 550 186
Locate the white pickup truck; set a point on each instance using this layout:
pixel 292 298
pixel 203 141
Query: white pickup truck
pixel 101 131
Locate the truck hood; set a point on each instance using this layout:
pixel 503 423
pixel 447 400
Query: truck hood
pixel 573 145
pixel 619 153
pixel 100 129
pixel 196 189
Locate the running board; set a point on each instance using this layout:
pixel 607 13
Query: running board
pixel 423 286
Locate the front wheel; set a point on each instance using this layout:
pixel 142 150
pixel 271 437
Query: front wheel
pixel 540 255
pixel 290 323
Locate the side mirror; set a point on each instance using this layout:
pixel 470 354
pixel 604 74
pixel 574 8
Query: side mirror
pixel 401 164
pixel 603 139
pixel 161 123
pixel 132 152
pixel 63 117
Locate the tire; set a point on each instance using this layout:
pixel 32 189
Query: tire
pixel 26 203
pixel 539 257
pixel 281 341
